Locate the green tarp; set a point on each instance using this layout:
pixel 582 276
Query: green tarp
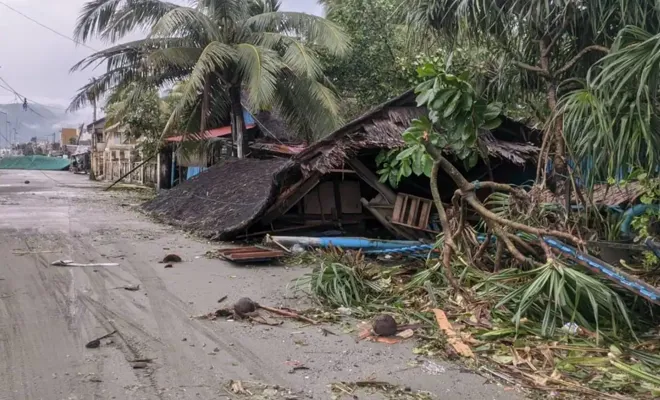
pixel 34 163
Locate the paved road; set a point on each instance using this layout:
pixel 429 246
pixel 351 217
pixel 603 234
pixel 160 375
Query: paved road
pixel 48 314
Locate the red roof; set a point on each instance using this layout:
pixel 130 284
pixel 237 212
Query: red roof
pixel 213 133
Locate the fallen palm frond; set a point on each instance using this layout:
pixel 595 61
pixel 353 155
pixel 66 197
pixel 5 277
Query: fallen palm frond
pixel 556 295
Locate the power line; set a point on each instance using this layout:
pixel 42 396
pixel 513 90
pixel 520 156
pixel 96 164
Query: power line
pixel 45 26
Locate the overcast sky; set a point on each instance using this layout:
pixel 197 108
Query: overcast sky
pixel 36 62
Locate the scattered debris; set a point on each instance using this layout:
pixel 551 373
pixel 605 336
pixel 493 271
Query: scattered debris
pixel 221 299
pixel 452 338
pixel 406 334
pixel 140 365
pixel 249 254
pixel 384 325
pixel 244 307
pixel 327 332
pixel 132 288
pixel 27 182
pixel 289 314
pixel 388 390
pixel 70 263
pixel 96 343
pixel 169 266
pixel 171 258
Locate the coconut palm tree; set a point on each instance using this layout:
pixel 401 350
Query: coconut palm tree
pixel 227 52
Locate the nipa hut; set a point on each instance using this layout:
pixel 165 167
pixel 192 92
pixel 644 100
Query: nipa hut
pixel 333 183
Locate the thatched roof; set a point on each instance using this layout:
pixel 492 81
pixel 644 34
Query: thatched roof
pixel 382 128
pixel 222 201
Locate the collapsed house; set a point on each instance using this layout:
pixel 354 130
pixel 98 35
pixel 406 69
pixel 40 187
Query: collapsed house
pixel 333 183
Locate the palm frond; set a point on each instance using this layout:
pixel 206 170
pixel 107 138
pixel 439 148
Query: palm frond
pixel 215 55
pixel 187 22
pixel 113 19
pixel 315 30
pixel 259 69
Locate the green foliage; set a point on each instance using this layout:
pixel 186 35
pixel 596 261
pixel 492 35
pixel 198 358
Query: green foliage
pixel 456 115
pixel 369 75
pixel 556 294
pixel 341 280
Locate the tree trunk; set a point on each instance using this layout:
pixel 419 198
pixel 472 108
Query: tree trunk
pixel 239 123
pixel 205 105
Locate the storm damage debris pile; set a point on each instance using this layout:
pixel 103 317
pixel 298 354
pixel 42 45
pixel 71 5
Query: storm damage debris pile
pixel 221 201
pixel 551 329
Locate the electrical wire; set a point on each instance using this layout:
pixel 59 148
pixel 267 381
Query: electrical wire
pixel 45 26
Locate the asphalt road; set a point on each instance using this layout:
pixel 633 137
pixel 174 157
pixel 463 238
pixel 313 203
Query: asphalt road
pixel 48 314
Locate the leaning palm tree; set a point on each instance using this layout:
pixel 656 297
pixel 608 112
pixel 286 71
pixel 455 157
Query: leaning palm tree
pixel 229 53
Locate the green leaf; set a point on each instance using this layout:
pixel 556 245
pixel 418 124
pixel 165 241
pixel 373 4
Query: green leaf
pixel 407 153
pixel 442 98
pixel 453 104
pixel 418 166
pixel 492 124
pixel 493 110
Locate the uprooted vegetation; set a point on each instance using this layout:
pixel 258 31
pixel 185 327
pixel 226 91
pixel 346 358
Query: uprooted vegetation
pixel 552 328
pixel 512 268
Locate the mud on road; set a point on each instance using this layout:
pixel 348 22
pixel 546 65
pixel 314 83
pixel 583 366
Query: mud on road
pixel 48 314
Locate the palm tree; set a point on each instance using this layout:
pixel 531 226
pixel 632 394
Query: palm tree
pixel 224 51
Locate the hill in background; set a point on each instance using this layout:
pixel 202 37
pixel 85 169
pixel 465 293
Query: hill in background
pixel 39 120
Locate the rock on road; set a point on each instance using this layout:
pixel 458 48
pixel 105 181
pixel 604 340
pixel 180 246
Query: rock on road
pixel 48 313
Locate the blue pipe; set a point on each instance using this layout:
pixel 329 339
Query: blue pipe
pixel 344 242
pixel 633 212
pixel 627 281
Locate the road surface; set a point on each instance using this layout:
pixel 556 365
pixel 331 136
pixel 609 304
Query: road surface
pixel 48 313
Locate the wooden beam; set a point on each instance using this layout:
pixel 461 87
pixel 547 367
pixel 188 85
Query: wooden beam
pixel 372 180
pixel 391 228
pixel 282 205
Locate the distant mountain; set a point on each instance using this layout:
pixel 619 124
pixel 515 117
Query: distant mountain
pixel 40 121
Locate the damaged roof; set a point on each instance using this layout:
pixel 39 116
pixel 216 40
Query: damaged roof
pixel 382 128
pixel 222 201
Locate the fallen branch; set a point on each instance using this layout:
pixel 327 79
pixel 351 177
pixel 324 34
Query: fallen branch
pixel 288 314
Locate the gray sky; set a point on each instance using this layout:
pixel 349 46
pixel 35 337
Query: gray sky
pixel 36 62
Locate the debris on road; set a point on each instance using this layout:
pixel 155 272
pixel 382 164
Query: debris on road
pixel 171 258
pixel 244 307
pixel 132 288
pixel 452 337
pixel 140 365
pixel 384 325
pixel 244 255
pixel 70 263
pixel 96 343
pixel 169 266
pixel 221 299
pixel 27 182
pixel 289 314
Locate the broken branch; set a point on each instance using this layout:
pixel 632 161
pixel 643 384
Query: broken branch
pixel 288 314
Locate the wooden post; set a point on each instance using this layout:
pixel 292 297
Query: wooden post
pixel 158 187
pixel 336 183
pixel 372 180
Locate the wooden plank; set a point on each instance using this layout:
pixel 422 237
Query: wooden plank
pixel 335 189
pixel 416 228
pixel 425 214
pixel 372 180
pixel 412 215
pixel 398 206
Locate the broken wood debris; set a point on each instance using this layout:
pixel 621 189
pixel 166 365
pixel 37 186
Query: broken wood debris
pixel 250 254
pixel 452 337
pixel 71 263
